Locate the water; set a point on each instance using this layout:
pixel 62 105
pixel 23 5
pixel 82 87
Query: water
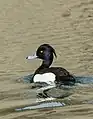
pixel 65 24
pixel 42 105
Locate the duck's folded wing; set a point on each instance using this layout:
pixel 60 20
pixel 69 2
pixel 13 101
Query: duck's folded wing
pixel 63 76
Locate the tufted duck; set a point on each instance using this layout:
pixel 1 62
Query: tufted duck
pixel 53 76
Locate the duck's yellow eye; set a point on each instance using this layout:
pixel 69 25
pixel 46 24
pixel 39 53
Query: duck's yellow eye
pixel 41 51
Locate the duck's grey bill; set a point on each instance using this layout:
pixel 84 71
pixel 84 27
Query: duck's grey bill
pixel 31 57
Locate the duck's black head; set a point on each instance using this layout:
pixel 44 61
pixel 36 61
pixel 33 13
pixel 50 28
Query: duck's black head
pixel 44 52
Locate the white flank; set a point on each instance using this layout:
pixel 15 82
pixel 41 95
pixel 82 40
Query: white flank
pixel 48 78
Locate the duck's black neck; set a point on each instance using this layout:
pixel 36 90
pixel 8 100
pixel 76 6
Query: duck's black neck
pixel 46 64
pixel 47 61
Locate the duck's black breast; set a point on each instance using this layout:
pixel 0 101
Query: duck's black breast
pixel 62 76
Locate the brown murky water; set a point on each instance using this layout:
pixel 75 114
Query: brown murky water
pixel 24 25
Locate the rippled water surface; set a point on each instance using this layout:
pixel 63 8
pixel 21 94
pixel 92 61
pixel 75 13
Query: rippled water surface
pixel 68 27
